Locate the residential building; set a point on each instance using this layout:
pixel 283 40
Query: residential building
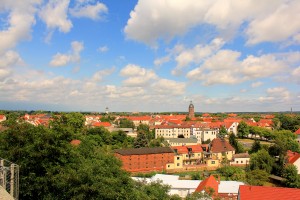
pixel 204 133
pixel 191 154
pixel 2 118
pixel 294 158
pixel 248 192
pixel 220 149
pixel 174 131
pixel 146 159
pixel 240 159
pixel 181 141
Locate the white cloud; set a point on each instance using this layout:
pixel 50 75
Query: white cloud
pixel 99 75
pixel 55 15
pixel 19 22
pixel 225 68
pixel 152 20
pixel 296 75
pixel 103 49
pixel 73 57
pixel 89 11
pixel 161 61
pixel 169 87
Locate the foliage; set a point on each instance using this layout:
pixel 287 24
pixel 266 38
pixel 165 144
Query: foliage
pixel 239 148
pixel 126 123
pixel 261 160
pixel 223 132
pixel 232 173
pixel 140 141
pixel 289 122
pixel 243 130
pixel 208 141
pixel 256 146
pixel 290 173
pixel 286 140
pixel 257 177
pixel 107 118
pixel 199 195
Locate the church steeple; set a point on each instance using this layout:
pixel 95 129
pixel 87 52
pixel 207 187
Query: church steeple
pixel 191 110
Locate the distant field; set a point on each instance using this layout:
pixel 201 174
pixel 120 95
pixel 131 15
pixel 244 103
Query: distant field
pixel 247 143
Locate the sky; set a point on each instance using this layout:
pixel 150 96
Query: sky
pixel 150 55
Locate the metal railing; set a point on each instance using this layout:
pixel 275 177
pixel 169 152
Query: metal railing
pixel 9 177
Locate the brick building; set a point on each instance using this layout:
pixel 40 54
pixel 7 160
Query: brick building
pixel 145 159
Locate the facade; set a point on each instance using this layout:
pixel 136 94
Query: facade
pixel 166 131
pixel 145 159
pixel 241 159
pixel 181 141
pixel 204 133
pixel 191 154
pixel 220 149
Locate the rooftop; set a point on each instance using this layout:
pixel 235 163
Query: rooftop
pixel 142 151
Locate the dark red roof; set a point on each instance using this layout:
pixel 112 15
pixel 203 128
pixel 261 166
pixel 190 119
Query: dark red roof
pixel 220 145
pixel 75 142
pixel 207 183
pixel 247 192
pixel 298 132
pixel 292 156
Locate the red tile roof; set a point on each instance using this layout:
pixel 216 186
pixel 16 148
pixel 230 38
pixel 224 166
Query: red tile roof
pixel 298 132
pixel 207 183
pixel 184 149
pixel 247 192
pixel 104 124
pixel 292 156
pixel 2 117
pixel 220 145
pixel 75 142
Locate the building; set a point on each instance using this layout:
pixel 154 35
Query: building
pixel 146 159
pixel 220 148
pixel 204 133
pixel 240 159
pixel 191 154
pixel 2 118
pixel 174 131
pixel 191 111
pixel 248 192
pixel 294 159
pixel 181 141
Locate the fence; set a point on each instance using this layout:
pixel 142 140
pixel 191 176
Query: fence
pixel 9 177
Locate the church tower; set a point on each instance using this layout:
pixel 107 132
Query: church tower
pixel 191 111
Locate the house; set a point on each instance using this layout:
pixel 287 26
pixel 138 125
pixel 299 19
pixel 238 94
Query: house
pixel 219 189
pixel 220 149
pixel 294 158
pixel 203 132
pixel 2 118
pixel 181 141
pixel 248 192
pixel 146 159
pixel 101 124
pixel 240 159
pixel 137 120
pixel 231 127
pixel 298 135
pixel 191 154
pixel 174 131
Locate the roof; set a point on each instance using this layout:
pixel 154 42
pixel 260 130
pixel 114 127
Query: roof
pixel 241 155
pixel 207 183
pixel 185 149
pixel 75 142
pixel 182 140
pixel 298 132
pixel 232 187
pixel 4 195
pixel 220 145
pixel 247 192
pixel 104 124
pixel 142 151
pixel 292 156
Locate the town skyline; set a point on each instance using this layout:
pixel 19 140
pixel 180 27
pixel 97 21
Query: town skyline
pixel 150 56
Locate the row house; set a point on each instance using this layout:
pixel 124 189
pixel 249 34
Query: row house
pixel 181 141
pixel 191 154
pixel 204 133
pixel 166 131
pixel 137 120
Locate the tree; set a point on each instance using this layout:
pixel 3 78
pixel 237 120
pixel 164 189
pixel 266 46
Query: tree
pixel 261 160
pixel 223 132
pixel 239 148
pixel 289 122
pixel 257 177
pixel 290 173
pixel 243 130
pixel 140 141
pixel 126 123
pixel 256 146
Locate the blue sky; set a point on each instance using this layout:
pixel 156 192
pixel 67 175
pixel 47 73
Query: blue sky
pixel 150 55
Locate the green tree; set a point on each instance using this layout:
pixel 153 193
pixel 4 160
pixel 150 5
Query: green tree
pixel 239 148
pixel 256 146
pixel 290 173
pixel 141 140
pixel 261 160
pixel 126 123
pixel 243 130
pixel 257 177
pixel 223 132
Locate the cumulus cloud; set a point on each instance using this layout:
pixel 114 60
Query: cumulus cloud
pixel 225 67
pixel 256 84
pixel 150 21
pixel 276 95
pixel 296 75
pixel 55 15
pixel 89 11
pixel 99 75
pixel 19 22
pixel 161 61
pixel 60 59
pixel 103 49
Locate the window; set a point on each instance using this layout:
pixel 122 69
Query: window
pixel 178 164
pixel 241 161
pixel 237 162
pixel 168 165
pixel 213 162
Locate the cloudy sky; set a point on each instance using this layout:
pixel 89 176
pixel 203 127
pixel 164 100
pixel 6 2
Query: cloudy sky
pixel 150 55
